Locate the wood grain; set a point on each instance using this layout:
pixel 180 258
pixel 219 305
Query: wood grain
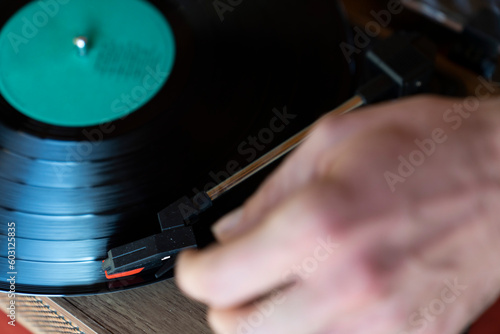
pixel 157 308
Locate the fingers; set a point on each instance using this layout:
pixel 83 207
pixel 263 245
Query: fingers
pixel 228 227
pixel 303 215
pixel 335 227
pixel 246 268
pixel 306 164
pixel 330 289
pixel 282 312
pixel 298 170
pixel 305 311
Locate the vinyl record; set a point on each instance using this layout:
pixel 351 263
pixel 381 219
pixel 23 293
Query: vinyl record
pixel 76 186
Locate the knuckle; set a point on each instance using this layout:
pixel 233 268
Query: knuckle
pixel 321 218
pixel 322 222
pixel 313 201
pixel 428 99
pixel 331 125
pixel 428 102
pixel 371 278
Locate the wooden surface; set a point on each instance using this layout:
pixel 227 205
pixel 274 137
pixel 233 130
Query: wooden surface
pixel 158 308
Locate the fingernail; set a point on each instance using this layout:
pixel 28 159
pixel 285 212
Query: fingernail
pixel 226 226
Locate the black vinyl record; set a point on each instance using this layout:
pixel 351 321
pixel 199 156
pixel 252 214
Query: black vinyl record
pixel 73 193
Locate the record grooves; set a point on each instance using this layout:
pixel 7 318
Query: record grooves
pixel 75 192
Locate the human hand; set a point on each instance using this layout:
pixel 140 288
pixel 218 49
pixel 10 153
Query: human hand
pixel 383 221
